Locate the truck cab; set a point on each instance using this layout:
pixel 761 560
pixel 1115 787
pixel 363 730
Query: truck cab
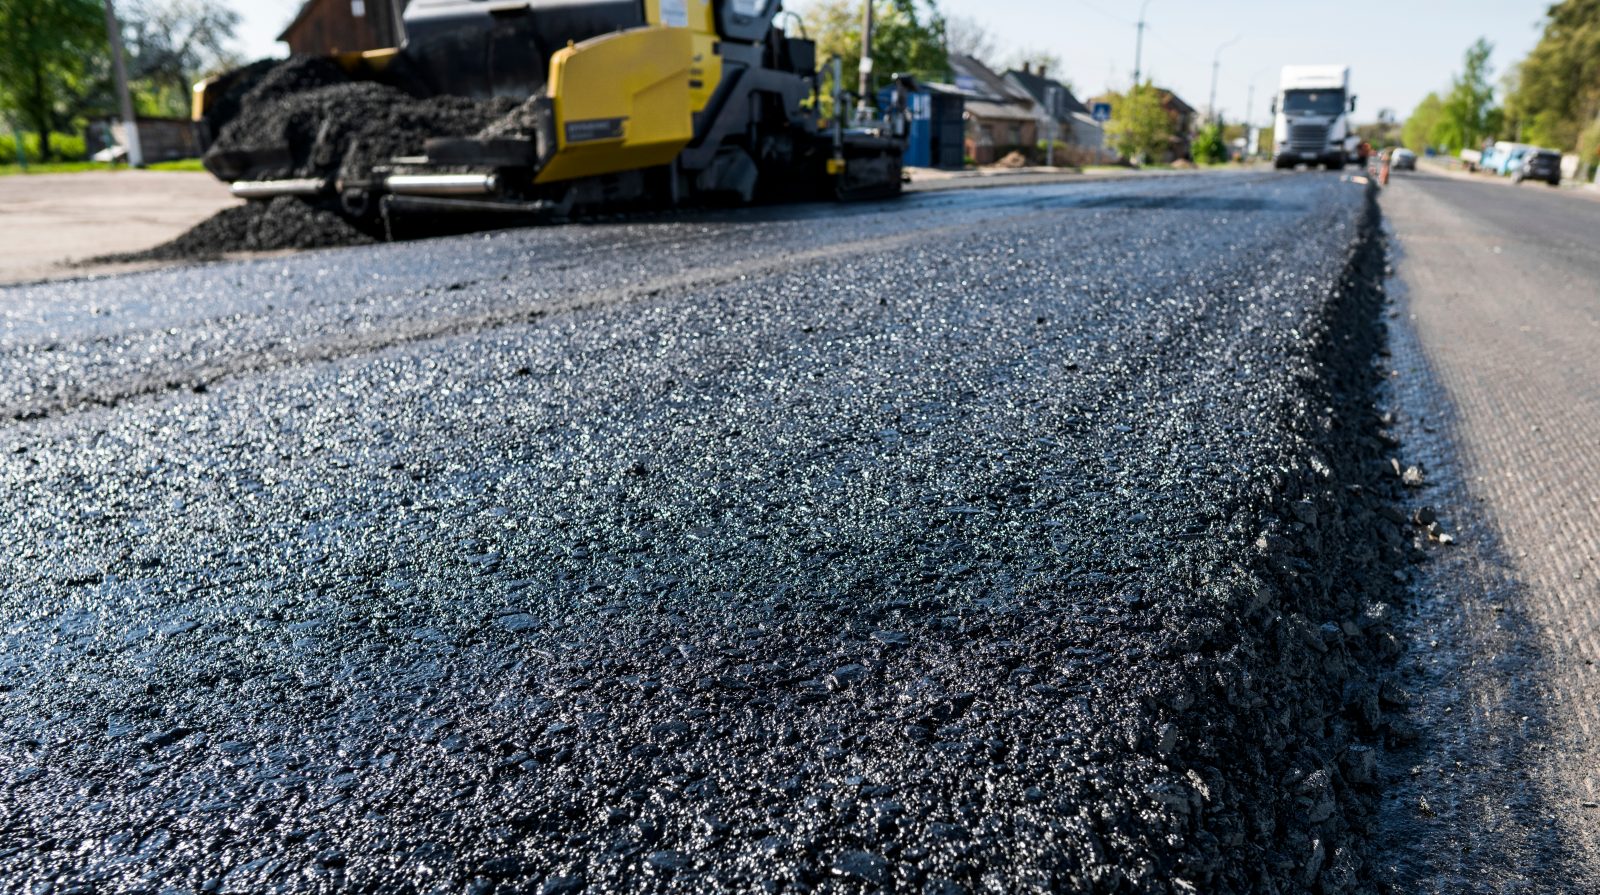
pixel 1312 112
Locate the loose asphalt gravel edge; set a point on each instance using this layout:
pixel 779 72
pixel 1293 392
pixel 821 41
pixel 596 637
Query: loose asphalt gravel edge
pixel 1293 680
pixel 1315 666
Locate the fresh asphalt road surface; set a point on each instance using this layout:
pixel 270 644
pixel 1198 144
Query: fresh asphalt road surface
pixel 1030 539
pixel 1500 287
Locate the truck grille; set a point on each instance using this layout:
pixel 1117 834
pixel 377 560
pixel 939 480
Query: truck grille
pixel 1308 137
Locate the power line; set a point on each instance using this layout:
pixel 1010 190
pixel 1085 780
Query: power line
pixel 1110 15
pixel 1175 48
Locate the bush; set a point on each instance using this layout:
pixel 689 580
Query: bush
pixel 8 147
pixel 1588 150
pixel 65 146
pixel 1208 148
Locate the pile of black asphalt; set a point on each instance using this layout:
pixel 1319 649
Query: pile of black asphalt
pixel 1041 543
pixel 283 223
pixel 333 125
pixel 326 125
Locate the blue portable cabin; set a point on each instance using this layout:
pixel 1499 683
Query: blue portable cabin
pixel 937 135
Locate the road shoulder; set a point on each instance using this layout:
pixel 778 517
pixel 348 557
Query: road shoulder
pixel 1498 316
pixel 1470 803
pixel 52 221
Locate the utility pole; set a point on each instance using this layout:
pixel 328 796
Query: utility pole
pixel 1216 63
pixel 1051 101
pixel 1211 101
pixel 1138 47
pixel 1250 109
pixel 865 91
pixel 130 125
pixel 1252 143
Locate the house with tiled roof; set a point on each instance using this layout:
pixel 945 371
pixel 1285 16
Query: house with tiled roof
pixel 1000 117
pixel 1074 125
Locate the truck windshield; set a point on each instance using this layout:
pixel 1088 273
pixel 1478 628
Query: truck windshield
pixel 1313 102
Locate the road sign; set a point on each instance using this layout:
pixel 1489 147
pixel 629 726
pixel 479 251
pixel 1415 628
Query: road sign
pixel 1102 111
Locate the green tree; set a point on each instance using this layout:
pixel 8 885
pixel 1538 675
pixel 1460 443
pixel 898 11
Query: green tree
pixel 1511 111
pixel 970 37
pixel 1468 114
pixel 48 51
pixel 1208 147
pixel 1557 90
pixel 173 43
pixel 1140 128
pixel 1589 150
pixel 1417 135
pixel 1383 133
pixel 908 38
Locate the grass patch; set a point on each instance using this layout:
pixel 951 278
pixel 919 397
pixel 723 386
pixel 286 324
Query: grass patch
pixel 54 168
pixel 186 164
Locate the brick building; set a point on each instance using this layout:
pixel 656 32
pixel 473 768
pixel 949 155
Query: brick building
pixel 1000 117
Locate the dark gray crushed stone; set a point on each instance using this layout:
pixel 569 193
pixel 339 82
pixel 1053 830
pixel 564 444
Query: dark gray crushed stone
pixel 225 106
pixel 283 223
pixel 296 74
pixel 344 129
pixel 331 127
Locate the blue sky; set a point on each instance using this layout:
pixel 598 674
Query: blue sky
pixel 1398 52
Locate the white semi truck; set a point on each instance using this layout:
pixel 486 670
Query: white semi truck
pixel 1312 112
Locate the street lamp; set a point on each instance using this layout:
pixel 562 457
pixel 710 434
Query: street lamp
pixel 1138 47
pixel 1216 63
pixel 1250 102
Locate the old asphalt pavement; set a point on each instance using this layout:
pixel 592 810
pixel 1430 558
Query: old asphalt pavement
pixel 1497 363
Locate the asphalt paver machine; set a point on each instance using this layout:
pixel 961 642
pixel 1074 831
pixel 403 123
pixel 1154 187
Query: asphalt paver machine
pixel 657 102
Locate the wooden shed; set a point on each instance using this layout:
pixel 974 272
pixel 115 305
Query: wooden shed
pixel 333 26
pixel 160 139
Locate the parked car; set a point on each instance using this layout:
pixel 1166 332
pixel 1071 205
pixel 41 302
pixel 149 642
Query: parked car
pixel 1503 156
pixel 1491 157
pixel 1538 164
pixel 1403 159
pixel 1506 165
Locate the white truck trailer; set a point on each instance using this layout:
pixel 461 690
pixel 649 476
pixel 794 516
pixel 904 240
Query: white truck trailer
pixel 1311 123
